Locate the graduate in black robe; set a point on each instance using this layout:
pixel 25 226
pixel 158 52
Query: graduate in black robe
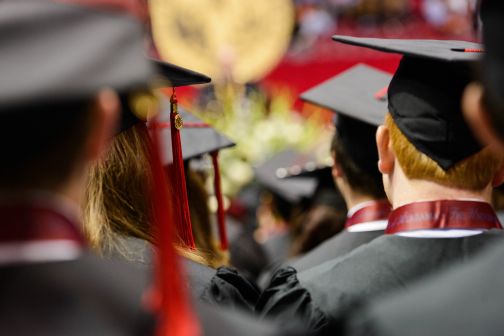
pixel 429 159
pixel 326 210
pixel 463 300
pixel 284 199
pixel 354 152
pixel 132 239
pixel 56 118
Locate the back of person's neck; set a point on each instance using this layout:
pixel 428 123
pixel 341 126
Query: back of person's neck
pixel 354 200
pixel 408 191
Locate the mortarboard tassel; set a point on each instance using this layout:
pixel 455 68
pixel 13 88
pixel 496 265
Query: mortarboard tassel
pixel 221 221
pixel 180 200
pixel 170 298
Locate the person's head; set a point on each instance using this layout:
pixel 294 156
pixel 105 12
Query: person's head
pixel 354 173
pixel 356 96
pixel 117 192
pixel 57 113
pixel 425 138
pixel 48 147
pixel 483 100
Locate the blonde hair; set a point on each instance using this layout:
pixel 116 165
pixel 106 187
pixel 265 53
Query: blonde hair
pixel 473 173
pixel 117 200
pixel 201 223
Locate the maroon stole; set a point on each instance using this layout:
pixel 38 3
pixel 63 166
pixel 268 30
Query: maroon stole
pixel 375 211
pixel 26 222
pixel 443 214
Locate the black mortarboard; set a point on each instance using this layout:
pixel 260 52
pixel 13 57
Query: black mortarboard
pixel 358 96
pixel 326 192
pixel 424 96
pixel 55 52
pixel 172 76
pixel 197 137
pixel 291 190
pixel 492 16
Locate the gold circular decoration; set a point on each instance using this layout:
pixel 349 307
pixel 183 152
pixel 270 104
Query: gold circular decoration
pixel 241 39
pixel 179 123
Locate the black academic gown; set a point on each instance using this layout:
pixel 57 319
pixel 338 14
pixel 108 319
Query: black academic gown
pixel 222 321
pixel 463 301
pixel 334 247
pixel 224 286
pixel 390 262
pixel 277 248
pixel 84 296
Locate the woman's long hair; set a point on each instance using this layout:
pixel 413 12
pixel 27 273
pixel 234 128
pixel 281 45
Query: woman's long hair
pixel 117 200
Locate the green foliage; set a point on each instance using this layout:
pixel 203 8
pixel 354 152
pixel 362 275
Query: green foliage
pixel 260 127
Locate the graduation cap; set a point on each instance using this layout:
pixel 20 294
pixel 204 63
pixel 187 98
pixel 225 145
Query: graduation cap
pixel 326 192
pixel 55 52
pixel 358 96
pixel 290 190
pixel 425 94
pixel 199 138
pixel 492 16
pixel 171 75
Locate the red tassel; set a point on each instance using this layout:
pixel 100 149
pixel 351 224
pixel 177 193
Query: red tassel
pixel 170 297
pixel 180 200
pixel 221 220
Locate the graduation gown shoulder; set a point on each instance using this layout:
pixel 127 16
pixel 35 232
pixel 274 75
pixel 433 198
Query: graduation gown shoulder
pixel 387 263
pixel 219 321
pixel 85 296
pixel 224 286
pixel 462 301
pixel 335 247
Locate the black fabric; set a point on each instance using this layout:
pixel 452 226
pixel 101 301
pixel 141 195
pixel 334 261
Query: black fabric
pixel 387 263
pixel 198 276
pixel 128 118
pixel 441 50
pixel 174 76
pixel 221 321
pixel 224 286
pixel 353 93
pixel 57 52
pixel 333 248
pixel 291 302
pixel 425 102
pixel 277 248
pixel 222 290
pixel 326 192
pixel 247 255
pixel 86 296
pixel 425 93
pixel 460 302
pixel 291 190
pixel 179 76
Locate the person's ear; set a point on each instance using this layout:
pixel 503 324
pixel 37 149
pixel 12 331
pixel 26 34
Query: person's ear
pixel 476 115
pixel 105 109
pixel 386 157
pixel 498 178
pixel 336 167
